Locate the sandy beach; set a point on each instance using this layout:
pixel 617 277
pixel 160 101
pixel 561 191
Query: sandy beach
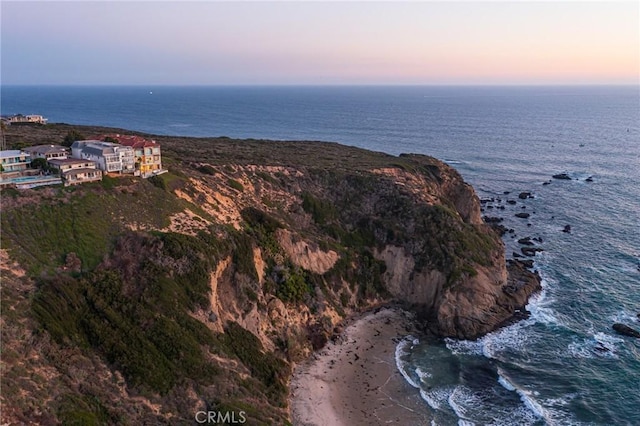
pixel 354 380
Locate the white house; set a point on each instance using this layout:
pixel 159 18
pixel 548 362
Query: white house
pixel 47 152
pixel 14 160
pixel 109 157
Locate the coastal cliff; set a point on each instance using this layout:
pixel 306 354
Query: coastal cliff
pixel 199 288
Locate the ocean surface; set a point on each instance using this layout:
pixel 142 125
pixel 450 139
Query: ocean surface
pixel 564 364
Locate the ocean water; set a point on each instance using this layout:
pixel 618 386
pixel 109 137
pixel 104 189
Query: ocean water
pixel 564 364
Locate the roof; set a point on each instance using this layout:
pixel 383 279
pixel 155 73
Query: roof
pixel 12 153
pixel 97 147
pixel 130 140
pixel 45 149
pixel 79 171
pixel 97 150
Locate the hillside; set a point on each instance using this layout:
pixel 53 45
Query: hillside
pixel 136 301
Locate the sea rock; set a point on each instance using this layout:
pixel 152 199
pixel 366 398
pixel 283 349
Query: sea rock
pixel 589 179
pixel 626 330
pixel 562 176
pixel 525 195
pixel 512 202
pixel 527 262
pixel 567 229
pixel 547 182
pixel 522 215
pixel 530 251
pixel 492 219
pixel 526 241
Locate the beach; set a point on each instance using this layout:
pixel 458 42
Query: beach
pixel 354 380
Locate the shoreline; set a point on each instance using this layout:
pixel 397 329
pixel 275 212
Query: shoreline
pixel 354 379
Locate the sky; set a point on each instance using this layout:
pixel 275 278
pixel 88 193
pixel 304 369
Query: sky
pixel 319 43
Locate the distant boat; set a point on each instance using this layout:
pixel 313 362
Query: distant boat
pixel 151 93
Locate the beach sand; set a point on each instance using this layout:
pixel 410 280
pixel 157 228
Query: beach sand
pixel 354 380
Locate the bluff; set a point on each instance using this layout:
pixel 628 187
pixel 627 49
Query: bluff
pixel 197 289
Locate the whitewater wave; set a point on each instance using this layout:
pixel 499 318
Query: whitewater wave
pixel 403 349
pixel 599 344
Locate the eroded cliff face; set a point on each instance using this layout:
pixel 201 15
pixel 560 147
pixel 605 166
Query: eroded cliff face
pixel 416 229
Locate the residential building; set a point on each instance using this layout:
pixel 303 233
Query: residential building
pixel 47 152
pixel 65 164
pixel 108 156
pixel 14 160
pixel 25 119
pixel 148 159
pixel 77 176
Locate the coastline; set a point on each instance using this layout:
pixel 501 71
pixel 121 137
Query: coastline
pixel 354 379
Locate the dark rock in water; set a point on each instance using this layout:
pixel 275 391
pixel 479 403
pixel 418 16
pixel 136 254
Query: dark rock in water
pixel 528 263
pixel 512 231
pixel 538 239
pixel 626 330
pixel 500 229
pixel 525 195
pixel 528 224
pixel 522 215
pixel 516 254
pixel 489 207
pixel 492 219
pixel 511 202
pixel 501 207
pixel 526 241
pixel 562 176
pixel 507 192
pixel 530 251
pixel 567 229
pixel 589 179
pixel 547 182
pixel 600 348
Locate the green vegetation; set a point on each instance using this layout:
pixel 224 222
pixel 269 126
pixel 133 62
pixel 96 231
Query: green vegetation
pixel 84 220
pixel 235 185
pixel 271 371
pixel 72 136
pixel 322 211
pixel 136 311
pixel 291 284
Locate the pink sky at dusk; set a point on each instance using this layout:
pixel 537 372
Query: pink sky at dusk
pixel 320 43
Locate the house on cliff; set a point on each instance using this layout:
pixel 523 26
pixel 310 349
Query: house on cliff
pixel 74 171
pixel 109 157
pixel 14 160
pixel 48 152
pixel 148 159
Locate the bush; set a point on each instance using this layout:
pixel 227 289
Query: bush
pixel 320 210
pixel 158 182
pixel 235 185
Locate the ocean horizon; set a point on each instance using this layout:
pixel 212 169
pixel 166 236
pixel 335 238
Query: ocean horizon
pixel 562 365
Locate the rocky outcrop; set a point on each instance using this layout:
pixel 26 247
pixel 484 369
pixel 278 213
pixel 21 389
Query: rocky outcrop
pixel 625 330
pixel 306 255
pixel 561 176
